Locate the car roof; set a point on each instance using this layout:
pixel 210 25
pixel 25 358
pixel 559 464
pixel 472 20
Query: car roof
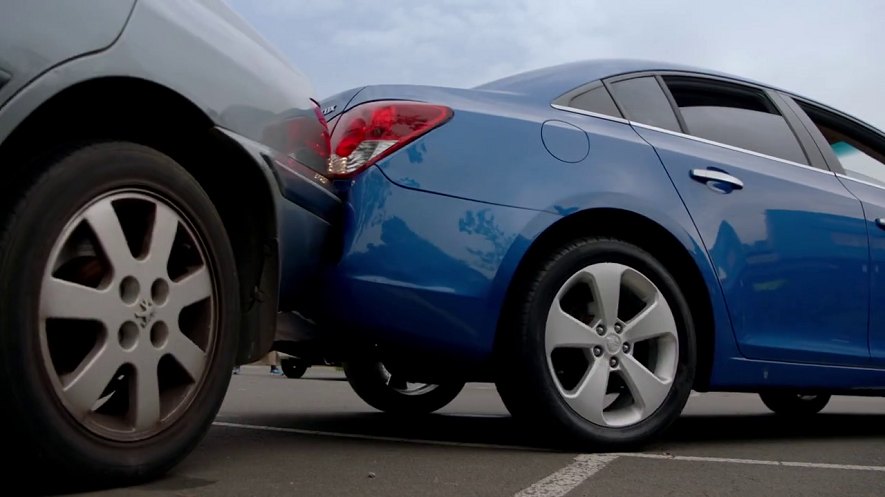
pixel 550 82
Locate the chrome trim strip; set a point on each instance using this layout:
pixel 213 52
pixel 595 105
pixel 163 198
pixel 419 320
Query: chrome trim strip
pixel 874 185
pixel 588 113
pixel 725 146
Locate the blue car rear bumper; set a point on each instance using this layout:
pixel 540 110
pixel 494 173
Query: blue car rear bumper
pixel 442 263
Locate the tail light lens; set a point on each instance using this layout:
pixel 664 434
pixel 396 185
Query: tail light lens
pixel 369 132
pixel 304 138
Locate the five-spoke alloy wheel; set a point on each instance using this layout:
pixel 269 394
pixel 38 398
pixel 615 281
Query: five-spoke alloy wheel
pixel 120 302
pixel 600 345
pixel 611 344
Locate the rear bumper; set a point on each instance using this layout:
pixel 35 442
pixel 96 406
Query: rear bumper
pixel 423 272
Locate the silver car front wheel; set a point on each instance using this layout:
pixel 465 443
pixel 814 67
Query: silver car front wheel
pixel 120 315
pixel 128 284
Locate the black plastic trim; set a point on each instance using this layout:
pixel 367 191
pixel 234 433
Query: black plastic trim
pixel 673 105
pixel 812 150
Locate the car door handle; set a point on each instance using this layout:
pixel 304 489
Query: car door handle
pixel 707 175
pixel 880 222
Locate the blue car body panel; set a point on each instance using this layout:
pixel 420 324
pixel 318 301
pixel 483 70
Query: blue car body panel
pixel 475 223
pixel 435 232
pixel 873 199
pixel 432 258
pixel 771 247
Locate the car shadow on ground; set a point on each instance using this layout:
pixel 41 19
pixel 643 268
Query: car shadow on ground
pixel 762 427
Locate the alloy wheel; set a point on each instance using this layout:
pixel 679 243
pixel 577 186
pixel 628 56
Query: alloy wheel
pixel 612 345
pixel 127 315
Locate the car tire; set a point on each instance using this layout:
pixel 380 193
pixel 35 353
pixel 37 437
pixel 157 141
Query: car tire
pixel 120 315
pixel 373 383
pixel 794 404
pixel 578 355
pixel 293 368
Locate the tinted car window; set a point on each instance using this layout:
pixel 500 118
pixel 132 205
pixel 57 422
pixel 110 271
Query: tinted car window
pixel 860 151
pixel 734 115
pixel 643 101
pixel 596 100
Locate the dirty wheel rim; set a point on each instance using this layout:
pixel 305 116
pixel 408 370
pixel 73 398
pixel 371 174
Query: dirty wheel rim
pixel 128 315
pixel 612 345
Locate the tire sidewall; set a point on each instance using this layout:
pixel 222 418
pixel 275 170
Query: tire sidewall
pixel 293 368
pixel 554 277
pixel 366 377
pixel 790 404
pixel 70 184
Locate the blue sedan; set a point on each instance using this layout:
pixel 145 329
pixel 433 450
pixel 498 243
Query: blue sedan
pixel 601 238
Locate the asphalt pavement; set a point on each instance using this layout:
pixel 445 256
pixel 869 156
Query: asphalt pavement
pixel 314 436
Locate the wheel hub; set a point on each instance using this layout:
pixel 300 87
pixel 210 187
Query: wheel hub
pixel 613 344
pixel 145 313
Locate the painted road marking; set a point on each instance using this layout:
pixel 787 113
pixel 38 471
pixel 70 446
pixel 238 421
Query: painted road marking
pixel 566 479
pixel 728 460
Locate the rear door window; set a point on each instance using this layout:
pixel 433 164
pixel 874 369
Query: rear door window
pixel 736 115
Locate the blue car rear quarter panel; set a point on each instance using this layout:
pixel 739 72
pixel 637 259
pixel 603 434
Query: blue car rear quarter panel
pixel 497 155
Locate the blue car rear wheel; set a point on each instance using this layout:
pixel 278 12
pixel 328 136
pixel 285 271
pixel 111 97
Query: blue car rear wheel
pixel 601 346
pixel 394 393
pixel 794 403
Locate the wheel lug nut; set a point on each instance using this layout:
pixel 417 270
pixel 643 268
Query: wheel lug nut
pixel 626 347
pixel 597 351
pixel 600 329
pixel 618 328
pixel 613 362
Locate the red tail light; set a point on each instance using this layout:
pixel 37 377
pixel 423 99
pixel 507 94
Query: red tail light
pixel 369 132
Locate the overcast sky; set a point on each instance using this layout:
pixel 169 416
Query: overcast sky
pixel 832 51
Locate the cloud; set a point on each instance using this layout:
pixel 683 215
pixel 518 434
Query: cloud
pixel 830 51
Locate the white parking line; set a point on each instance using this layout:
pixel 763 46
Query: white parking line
pixel 728 460
pixel 566 479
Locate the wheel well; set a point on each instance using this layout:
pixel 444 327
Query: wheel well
pixel 130 109
pixel 646 234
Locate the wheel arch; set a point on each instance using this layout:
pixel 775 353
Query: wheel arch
pixel 144 112
pixel 644 232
